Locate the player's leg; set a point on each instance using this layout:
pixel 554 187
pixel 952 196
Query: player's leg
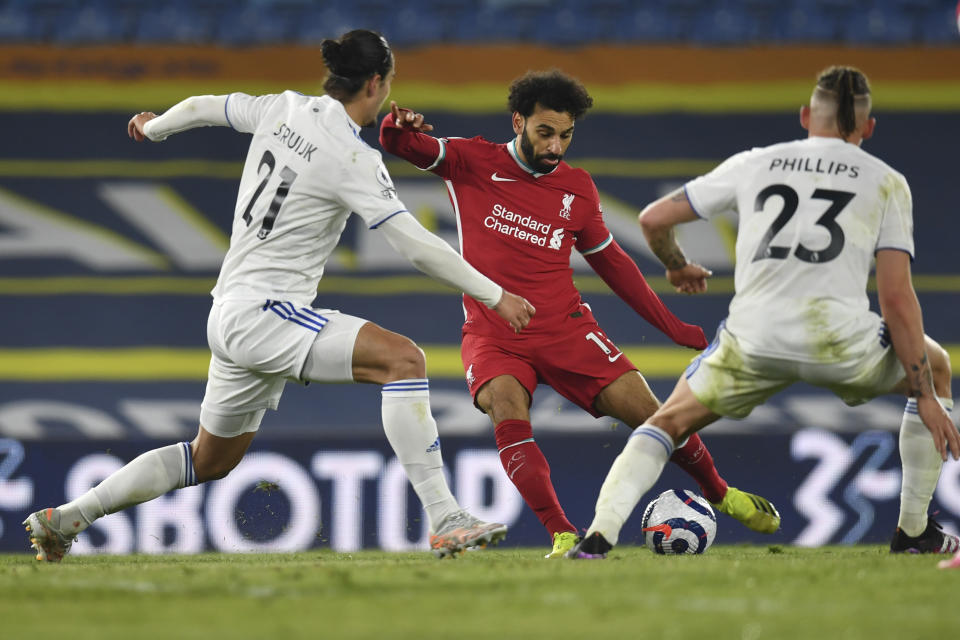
pixel 501 382
pixel 507 402
pixel 722 381
pixel 230 416
pixel 361 351
pixel 629 399
pixel 639 465
pixel 144 478
pixel 921 464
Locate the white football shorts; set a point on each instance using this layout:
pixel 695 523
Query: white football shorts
pixel 256 346
pixel 731 382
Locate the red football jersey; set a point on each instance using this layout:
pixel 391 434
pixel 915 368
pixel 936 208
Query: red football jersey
pixel 517 227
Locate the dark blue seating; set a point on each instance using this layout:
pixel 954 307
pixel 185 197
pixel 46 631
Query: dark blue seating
pixel 422 22
pixel 879 26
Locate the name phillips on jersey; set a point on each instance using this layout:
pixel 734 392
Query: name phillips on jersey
pixel 539 234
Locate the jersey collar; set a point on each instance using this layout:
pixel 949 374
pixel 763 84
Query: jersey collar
pixel 354 127
pixel 512 148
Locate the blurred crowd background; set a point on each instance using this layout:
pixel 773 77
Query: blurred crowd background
pixel 420 22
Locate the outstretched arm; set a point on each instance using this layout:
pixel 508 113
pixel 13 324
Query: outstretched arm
pixel 198 111
pixel 437 259
pixel 403 133
pixel 901 311
pixel 658 220
pixel 625 279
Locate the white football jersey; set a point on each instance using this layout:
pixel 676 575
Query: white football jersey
pixel 812 214
pixel 307 169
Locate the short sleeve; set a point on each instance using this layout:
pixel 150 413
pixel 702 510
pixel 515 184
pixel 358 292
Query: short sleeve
pixel 367 189
pixel 244 112
pixel 896 228
pixel 595 236
pixel 716 192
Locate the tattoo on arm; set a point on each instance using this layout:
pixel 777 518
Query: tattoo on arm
pixel 678 196
pixel 665 247
pixel 920 378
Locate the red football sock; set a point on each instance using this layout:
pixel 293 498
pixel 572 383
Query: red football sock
pixel 528 470
pixel 695 459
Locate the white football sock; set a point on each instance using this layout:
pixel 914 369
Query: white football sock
pixel 921 465
pixel 144 478
pixel 632 474
pixel 412 432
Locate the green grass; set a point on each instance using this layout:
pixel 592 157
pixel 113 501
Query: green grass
pixel 741 592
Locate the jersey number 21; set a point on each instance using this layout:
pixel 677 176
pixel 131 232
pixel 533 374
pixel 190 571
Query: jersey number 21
pixel 287 176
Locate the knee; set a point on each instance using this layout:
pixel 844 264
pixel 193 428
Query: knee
pixel 407 361
pixel 674 428
pixel 207 469
pixel 504 400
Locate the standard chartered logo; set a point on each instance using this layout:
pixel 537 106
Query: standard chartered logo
pixel 523 227
pixel 556 239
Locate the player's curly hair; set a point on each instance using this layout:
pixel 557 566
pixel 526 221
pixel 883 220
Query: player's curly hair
pixel 352 59
pixel 846 85
pixel 550 89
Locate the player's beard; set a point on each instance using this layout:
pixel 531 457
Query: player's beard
pixel 537 161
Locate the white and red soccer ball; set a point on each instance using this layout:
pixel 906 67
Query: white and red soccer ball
pixel 677 522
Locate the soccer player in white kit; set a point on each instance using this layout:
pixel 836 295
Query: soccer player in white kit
pixel 813 214
pixel 306 170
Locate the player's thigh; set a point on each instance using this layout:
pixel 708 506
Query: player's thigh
pixel 682 414
pixel 940 363
pixel 236 398
pixel 880 371
pixel 269 338
pixel 499 376
pixel 352 349
pixel 380 356
pixel 628 399
pixel 730 382
pixel 875 371
pixel 582 363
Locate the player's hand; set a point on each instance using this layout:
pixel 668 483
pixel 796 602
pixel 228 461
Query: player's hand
pixel 690 279
pixel 135 126
pixel 938 421
pixel 515 310
pixel 407 119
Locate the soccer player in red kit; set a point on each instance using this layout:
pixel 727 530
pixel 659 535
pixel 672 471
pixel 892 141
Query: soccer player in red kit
pixel 520 210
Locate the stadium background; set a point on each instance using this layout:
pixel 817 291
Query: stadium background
pixel 108 250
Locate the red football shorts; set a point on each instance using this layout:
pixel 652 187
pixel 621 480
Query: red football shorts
pixel 578 360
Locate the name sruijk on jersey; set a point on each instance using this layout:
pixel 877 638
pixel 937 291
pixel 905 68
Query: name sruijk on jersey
pixel 294 141
pixel 179 237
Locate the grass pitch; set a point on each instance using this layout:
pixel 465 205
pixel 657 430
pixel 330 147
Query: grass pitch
pixel 742 592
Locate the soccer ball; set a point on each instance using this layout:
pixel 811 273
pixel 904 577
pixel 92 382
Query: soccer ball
pixel 679 521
